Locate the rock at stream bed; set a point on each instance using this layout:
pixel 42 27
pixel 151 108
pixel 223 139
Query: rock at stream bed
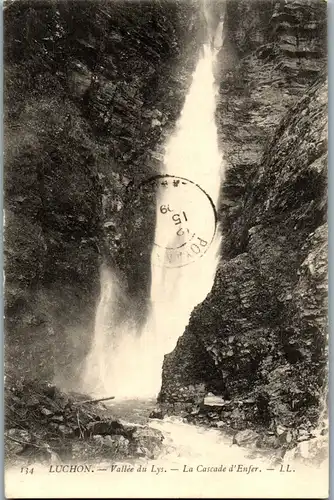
pixel 312 452
pixel 148 441
pixel 247 437
pixel 268 441
pixel 142 434
pixel 118 443
pixel 106 427
pixel 157 413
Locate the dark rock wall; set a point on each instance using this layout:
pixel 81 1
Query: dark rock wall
pixel 264 322
pixel 259 82
pixel 91 91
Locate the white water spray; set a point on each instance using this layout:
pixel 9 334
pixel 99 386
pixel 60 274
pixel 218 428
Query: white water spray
pixel 132 368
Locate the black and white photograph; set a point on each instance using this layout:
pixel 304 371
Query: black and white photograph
pixel 165 248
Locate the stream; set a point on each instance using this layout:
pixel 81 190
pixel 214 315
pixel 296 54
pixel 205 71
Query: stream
pixel 205 462
pixel 195 462
pixel 126 358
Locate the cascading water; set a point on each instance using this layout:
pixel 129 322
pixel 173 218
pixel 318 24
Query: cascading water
pixel 193 154
pixel 132 367
pixel 128 366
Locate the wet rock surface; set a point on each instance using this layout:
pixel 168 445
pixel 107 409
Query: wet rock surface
pixel 262 330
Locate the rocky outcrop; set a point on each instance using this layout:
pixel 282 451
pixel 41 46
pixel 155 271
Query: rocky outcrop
pixel 263 328
pixel 264 322
pixel 90 95
pixel 46 425
pixel 261 76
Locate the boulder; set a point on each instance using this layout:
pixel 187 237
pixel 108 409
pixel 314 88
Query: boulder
pixel 148 442
pixel 105 427
pixel 313 452
pixel 157 413
pixel 118 443
pixel 246 438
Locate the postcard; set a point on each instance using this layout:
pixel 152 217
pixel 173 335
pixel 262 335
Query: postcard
pixel 165 246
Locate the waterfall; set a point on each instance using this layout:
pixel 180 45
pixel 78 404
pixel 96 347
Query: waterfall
pixel 188 190
pixel 192 153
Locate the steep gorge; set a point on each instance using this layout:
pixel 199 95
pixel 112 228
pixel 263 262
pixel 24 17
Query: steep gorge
pixel 259 339
pixel 90 95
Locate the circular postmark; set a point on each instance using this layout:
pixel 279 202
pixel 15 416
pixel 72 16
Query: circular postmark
pixel 185 220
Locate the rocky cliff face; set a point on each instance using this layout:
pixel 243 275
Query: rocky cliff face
pixel 267 63
pixel 91 93
pixel 262 329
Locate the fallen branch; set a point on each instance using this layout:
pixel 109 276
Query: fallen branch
pixel 80 430
pixel 23 442
pixel 79 403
